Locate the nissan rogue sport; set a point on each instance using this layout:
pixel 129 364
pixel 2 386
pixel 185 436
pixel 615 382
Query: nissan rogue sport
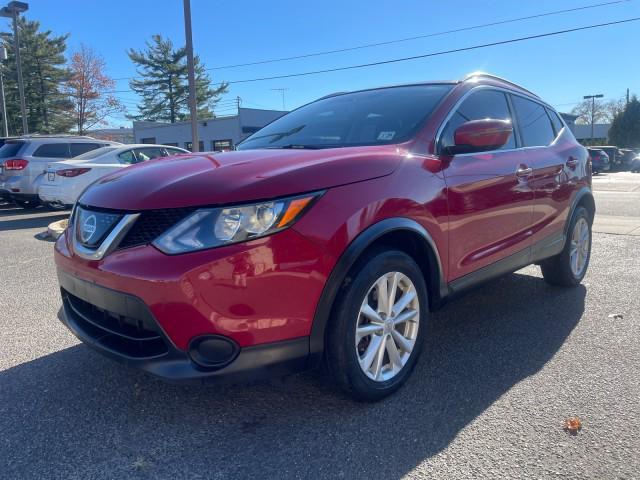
pixel 329 237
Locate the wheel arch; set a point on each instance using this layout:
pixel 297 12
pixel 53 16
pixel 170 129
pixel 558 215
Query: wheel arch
pixel 400 233
pixel 584 198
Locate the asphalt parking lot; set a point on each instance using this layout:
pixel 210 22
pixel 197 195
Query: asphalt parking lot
pixel 506 365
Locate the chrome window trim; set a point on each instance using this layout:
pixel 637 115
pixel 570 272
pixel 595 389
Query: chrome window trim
pixel 108 244
pixel 498 89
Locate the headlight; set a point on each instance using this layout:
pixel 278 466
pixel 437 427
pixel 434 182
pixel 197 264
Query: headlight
pixel 214 227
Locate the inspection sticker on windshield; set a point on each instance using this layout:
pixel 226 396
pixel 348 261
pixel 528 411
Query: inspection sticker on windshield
pixel 386 135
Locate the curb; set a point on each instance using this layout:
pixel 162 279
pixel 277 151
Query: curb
pixel 55 229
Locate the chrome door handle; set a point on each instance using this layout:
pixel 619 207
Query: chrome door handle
pixel 523 171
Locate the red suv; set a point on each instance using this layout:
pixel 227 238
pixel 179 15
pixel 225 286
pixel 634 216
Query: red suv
pixel 329 236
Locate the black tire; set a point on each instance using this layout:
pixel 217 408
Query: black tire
pixel 26 204
pixel 342 356
pixel 557 270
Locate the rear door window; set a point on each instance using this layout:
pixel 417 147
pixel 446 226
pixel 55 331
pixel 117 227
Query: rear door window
pixel 173 151
pixel 52 150
pixel 127 157
pixel 80 148
pixel 534 123
pixel 144 154
pixel 555 121
pixel 477 106
pixel 11 149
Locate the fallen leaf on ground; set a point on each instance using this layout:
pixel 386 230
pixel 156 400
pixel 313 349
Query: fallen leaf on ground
pixel 572 425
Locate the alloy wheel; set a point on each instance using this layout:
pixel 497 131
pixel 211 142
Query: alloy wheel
pixel 387 326
pixel 580 243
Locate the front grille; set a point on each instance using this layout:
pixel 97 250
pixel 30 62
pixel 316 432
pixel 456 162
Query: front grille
pixel 151 224
pixel 138 338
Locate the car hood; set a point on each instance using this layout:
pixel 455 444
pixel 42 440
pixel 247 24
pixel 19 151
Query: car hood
pixel 240 176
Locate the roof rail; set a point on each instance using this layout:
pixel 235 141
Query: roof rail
pixel 489 75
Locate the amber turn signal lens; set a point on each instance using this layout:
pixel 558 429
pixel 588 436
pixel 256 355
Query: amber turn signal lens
pixel 293 210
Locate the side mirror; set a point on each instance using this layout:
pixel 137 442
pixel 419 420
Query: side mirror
pixel 480 135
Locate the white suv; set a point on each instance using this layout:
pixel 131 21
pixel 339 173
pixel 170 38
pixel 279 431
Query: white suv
pixel 24 160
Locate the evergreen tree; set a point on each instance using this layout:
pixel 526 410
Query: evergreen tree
pixel 44 72
pixel 163 84
pixel 625 128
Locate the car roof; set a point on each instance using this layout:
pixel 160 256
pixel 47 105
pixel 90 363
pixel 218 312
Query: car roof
pixel 475 77
pixel 35 139
pixel 148 145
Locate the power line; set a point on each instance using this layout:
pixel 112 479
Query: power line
pixel 407 39
pixel 435 54
pixel 418 37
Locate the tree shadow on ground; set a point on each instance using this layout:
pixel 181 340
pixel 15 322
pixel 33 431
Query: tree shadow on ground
pixel 75 413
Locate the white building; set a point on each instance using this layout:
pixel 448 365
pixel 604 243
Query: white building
pixel 220 133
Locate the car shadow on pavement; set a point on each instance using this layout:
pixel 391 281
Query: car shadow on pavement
pixel 15 218
pixel 75 413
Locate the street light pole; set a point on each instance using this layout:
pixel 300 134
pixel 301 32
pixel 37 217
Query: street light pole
pixel 12 10
pixel 195 144
pixel 593 108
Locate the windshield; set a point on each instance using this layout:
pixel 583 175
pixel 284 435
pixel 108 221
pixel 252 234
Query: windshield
pixel 94 153
pixel 10 149
pixel 372 117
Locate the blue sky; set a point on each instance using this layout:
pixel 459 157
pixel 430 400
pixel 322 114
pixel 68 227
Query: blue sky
pixel 561 69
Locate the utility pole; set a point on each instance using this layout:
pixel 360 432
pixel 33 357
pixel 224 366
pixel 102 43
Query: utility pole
pixel 12 10
pixel 193 110
pixel 5 122
pixel 627 96
pixel 593 108
pixel 281 90
pixel 238 104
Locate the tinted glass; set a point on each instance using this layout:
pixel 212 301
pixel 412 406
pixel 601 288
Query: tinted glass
pixel 52 150
pixel 145 154
pixel 173 151
pixel 127 157
pixel 10 149
pixel 555 120
pixel 534 123
pixel 373 117
pixel 80 148
pixel 477 106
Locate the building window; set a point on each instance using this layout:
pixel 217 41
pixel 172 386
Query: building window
pixel 221 145
pixel 149 140
pixel 246 129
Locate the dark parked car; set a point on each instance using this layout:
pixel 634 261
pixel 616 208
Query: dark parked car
pixel 329 237
pixel 599 160
pixel 626 157
pixel 614 154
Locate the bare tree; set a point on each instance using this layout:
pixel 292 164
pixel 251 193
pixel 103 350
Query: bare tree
pixel 89 89
pixel 591 112
pixel 615 107
pixel 600 111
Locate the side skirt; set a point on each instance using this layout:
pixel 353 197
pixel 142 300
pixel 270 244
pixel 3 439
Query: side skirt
pixel 547 247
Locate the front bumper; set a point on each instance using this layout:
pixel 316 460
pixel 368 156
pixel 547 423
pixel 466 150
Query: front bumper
pixel 121 327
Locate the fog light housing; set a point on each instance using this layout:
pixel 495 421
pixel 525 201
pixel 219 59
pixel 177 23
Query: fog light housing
pixel 213 351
